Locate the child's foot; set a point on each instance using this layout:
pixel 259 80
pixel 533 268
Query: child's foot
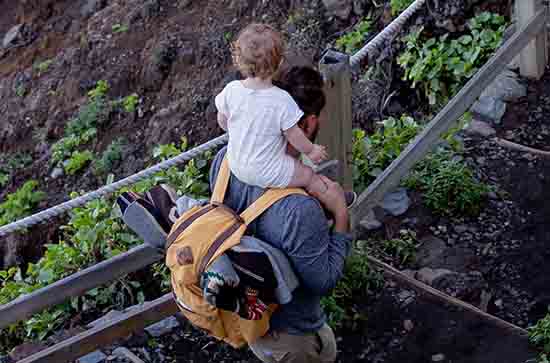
pixel 351 198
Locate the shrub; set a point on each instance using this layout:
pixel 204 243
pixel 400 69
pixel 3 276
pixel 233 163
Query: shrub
pixel 4 179
pixel 448 185
pixel 94 233
pixel 119 28
pixel 42 67
pixel 442 66
pixel 21 203
pixel 353 41
pixel 358 280
pixel 192 180
pixel 110 158
pixel 373 153
pixel 10 163
pixel 402 248
pixel 539 336
pixel 78 160
pixel 21 91
pixel 82 129
pixel 398 6
pixel 130 102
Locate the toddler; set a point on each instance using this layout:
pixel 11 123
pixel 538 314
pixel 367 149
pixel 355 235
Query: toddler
pixel 262 118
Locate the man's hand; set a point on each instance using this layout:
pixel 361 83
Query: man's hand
pixel 334 201
pixel 318 154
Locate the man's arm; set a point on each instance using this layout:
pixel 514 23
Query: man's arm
pixel 295 136
pixel 317 255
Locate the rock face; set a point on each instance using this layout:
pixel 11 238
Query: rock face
pixel 163 327
pixel 90 7
pixel 339 8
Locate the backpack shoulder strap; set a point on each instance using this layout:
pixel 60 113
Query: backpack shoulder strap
pixel 222 181
pixel 263 203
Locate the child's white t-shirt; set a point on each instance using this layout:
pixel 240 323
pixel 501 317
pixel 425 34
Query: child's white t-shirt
pixel 257 146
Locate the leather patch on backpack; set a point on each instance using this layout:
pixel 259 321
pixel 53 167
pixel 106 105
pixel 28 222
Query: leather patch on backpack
pixel 185 256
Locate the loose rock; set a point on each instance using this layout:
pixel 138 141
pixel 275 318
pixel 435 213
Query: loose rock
pixel 370 222
pixel 162 327
pixel 429 276
pixel 506 87
pixel 56 173
pixel 490 108
pixel 396 203
pixel 94 357
pixel 480 128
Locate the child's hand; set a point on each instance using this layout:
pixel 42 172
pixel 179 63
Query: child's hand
pixel 318 154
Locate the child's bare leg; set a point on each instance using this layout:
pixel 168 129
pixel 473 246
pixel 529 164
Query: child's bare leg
pixel 305 177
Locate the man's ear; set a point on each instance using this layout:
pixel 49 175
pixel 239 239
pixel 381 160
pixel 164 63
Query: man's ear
pixel 311 124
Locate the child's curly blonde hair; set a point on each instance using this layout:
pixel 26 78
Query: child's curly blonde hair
pixel 258 51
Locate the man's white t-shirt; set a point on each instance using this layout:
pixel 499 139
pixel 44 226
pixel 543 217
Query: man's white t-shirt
pixel 257 146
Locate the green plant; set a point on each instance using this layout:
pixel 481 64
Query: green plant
pixel 442 66
pixel 539 336
pixel 10 163
pixel 353 41
pixel 94 233
pixel 82 128
pixel 358 280
pixel 99 91
pixel 4 179
pixel 397 6
pixel 42 67
pixel 119 28
pixel 21 91
pixel 402 248
pixel 192 180
pixel 130 102
pixel 373 153
pixel 21 203
pixel 41 324
pixel 111 156
pixel 77 161
pixel 448 185
pixel 228 36
pixel 450 136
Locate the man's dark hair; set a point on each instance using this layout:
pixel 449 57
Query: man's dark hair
pixel 305 85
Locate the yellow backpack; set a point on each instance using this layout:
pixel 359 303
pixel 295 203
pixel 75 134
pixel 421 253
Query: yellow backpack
pixel 196 239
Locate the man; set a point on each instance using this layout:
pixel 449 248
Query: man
pixel 297 225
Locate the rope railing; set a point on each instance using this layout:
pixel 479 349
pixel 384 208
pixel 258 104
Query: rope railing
pixel 388 33
pixel 111 188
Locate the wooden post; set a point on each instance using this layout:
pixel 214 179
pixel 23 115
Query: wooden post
pixel 534 57
pixel 335 132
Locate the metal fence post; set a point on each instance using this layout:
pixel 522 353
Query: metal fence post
pixel 336 130
pixel 534 57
